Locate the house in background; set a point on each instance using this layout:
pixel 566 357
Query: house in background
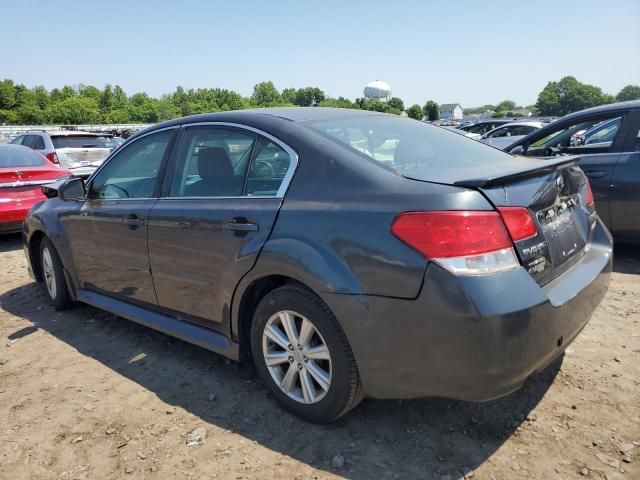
pixel 451 111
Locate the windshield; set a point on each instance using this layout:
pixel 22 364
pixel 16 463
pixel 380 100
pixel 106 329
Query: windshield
pixel 20 157
pixel 78 141
pixel 412 148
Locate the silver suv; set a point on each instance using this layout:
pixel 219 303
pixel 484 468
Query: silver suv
pixel 79 152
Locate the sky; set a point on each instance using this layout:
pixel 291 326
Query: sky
pixel 460 51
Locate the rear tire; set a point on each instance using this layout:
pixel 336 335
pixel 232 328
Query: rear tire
pixel 303 356
pixel 53 276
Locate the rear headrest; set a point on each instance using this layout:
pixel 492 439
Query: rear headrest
pixel 214 163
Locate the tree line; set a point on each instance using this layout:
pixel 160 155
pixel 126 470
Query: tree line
pixel 86 104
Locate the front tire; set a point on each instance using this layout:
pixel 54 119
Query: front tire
pixel 53 276
pixel 303 356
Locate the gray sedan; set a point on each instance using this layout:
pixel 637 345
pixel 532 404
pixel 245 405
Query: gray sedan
pixel 348 254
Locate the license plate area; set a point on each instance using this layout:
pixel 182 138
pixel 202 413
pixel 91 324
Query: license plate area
pixel 565 229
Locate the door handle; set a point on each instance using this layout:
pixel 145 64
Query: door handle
pixel 595 173
pixel 240 225
pixel 132 221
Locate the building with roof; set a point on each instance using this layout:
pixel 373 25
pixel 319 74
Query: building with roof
pixel 451 111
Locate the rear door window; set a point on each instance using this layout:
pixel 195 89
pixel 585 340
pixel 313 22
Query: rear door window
pixel 212 162
pixel 38 143
pixel 28 140
pixel 269 167
pixel 78 141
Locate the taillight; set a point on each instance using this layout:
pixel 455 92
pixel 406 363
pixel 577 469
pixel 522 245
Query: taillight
pixel 53 157
pixel 518 222
pixel 463 242
pixel 590 200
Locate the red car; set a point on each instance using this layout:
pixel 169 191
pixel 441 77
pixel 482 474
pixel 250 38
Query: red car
pixel 22 172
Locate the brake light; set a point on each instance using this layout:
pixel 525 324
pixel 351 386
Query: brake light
pixel 518 222
pixel 463 242
pixel 53 157
pixel 590 200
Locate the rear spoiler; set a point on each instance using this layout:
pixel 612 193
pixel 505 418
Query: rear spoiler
pixel 528 168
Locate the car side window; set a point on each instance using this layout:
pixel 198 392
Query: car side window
pixel 133 172
pixel 638 142
pixel 500 132
pixel 38 143
pixel 27 141
pixel 212 161
pixel 18 140
pixel 269 167
pixel 595 135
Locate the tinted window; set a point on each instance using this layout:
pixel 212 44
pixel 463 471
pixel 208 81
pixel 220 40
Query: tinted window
pixel 78 141
pixel 38 143
pixel 20 157
pixel 268 168
pixel 411 148
pixel 576 137
pixel 212 162
pixel 27 141
pixel 133 172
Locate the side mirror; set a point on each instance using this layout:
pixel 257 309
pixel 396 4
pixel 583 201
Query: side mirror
pixel 67 188
pixel 518 150
pixel 72 189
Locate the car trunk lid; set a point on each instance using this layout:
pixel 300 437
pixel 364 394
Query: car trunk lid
pixel 555 194
pixel 25 182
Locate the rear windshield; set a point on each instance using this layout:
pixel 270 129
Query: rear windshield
pixel 412 148
pixel 20 157
pixel 78 141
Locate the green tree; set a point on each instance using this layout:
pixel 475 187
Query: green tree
pixel 340 102
pixel 289 95
pixel 74 111
pixel 7 94
pixel 265 94
pixel 431 110
pixel 396 103
pixel 415 112
pixel 569 95
pixel 630 92
pixel 309 97
pixel 505 106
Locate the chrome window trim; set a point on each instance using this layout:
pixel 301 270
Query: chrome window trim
pixel 284 186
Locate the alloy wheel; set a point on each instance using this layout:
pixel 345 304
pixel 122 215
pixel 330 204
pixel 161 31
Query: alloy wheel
pixel 297 357
pixel 49 272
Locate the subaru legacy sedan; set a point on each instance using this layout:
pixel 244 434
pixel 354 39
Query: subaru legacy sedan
pixel 348 254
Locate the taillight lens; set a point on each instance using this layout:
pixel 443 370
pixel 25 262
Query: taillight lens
pixel 463 242
pixel 590 200
pixel 53 157
pixel 518 222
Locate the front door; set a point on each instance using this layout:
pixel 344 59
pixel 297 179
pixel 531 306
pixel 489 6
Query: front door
pixel 219 209
pixel 119 199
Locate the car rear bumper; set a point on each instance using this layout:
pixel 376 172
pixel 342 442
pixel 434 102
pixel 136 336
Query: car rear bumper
pixel 12 214
pixel 471 338
pixel 82 172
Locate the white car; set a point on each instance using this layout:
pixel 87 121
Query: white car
pixel 79 152
pixel 506 134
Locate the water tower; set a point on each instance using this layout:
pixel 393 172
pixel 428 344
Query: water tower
pixel 378 89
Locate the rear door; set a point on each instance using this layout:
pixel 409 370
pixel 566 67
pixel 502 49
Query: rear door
pixel 625 185
pixel 218 208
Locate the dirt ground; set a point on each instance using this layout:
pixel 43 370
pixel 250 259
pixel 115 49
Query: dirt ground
pixel 84 394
